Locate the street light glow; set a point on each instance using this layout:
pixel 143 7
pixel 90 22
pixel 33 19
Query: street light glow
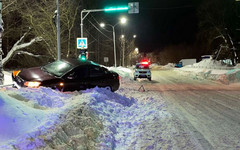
pixel 116 8
pixel 102 25
pixel 136 50
pixel 134 36
pixel 123 20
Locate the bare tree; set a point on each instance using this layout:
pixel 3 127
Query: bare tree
pixel 38 15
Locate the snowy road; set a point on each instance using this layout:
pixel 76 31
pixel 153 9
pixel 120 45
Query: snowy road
pixel 208 112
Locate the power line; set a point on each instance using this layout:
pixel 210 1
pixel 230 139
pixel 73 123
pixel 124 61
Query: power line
pixel 94 38
pixel 99 30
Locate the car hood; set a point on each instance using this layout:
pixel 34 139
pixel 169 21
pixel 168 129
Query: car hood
pixel 35 74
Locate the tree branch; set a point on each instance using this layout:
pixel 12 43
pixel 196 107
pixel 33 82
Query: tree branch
pixel 17 47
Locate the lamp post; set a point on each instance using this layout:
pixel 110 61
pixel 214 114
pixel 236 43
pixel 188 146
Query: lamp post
pixel 1 52
pixel 122 21
pixel 58 32
pixel 123 49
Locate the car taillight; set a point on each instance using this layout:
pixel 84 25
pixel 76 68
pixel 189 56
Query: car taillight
pixel 15 73
pixel 119 77
pixel 32 84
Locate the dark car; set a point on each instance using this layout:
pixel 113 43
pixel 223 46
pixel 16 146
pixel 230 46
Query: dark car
pixel 67 75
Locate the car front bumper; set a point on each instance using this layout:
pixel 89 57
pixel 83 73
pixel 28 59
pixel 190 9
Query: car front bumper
pixel 142 75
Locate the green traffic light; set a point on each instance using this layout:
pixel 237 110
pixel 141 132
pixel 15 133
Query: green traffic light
pixel 116 8
pixel 83 58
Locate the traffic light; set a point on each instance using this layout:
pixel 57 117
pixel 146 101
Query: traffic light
pixel 83 57
pixel 119 8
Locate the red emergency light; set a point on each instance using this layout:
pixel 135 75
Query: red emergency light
pixel 145 62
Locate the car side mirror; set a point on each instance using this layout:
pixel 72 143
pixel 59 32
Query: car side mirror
pixel 71 76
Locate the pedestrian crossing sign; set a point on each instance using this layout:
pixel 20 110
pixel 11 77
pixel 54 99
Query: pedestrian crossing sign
pixel 82 43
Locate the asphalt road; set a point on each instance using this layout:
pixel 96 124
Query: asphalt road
pixel 209 110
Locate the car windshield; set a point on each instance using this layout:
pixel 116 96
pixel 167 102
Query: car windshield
pixel 141 66
pixel 58 68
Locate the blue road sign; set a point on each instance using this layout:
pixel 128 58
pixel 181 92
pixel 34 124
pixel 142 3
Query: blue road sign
pixel 82 43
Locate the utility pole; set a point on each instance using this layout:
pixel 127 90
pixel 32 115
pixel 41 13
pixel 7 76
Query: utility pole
pixel 58 33
pixel 123 53
pixel 1 52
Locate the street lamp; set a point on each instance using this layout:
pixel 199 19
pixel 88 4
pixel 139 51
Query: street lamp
pixel 136 50
pixel 123 20
pixel 134 36
pixel 102 25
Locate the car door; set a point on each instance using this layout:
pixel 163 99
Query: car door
pixel 97 77
pixel 76 79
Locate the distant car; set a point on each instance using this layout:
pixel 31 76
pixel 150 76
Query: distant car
pixel 67 75
pixel 142 70
pixel 179 65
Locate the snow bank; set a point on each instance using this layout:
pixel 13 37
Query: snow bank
pixel 122 71
pixel 169 65
pixel 18 121
pixel 212 70
pixel 37 118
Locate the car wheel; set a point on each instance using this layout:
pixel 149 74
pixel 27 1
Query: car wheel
pixel 108 88
pixel 149 79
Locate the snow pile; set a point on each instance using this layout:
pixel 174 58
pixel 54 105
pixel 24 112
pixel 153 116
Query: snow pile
pixel 142 122
pixel 213 70
pixel 36 118
pixel 169 65
pixel 122 71
pixel 210 64
pixel 18 121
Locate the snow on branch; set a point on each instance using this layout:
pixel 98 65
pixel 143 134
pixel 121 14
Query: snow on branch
pixel 28 53
pixel 18 46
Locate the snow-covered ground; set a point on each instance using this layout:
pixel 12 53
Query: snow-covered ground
pixel 96 118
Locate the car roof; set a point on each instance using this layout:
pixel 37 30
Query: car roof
pixel 77 62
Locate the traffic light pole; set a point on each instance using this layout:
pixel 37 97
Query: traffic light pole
pixel 58 33
pixel 1 52
pixel 83 17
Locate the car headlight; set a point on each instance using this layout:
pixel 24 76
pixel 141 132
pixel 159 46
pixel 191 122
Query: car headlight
pixel 32 84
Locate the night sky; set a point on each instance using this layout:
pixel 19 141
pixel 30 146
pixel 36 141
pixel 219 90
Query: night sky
pixel 159 23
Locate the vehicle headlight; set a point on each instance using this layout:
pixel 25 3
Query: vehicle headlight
pixel 32 84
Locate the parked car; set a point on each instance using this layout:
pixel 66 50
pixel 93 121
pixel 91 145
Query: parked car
pixel 142 70
pixel 67 75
